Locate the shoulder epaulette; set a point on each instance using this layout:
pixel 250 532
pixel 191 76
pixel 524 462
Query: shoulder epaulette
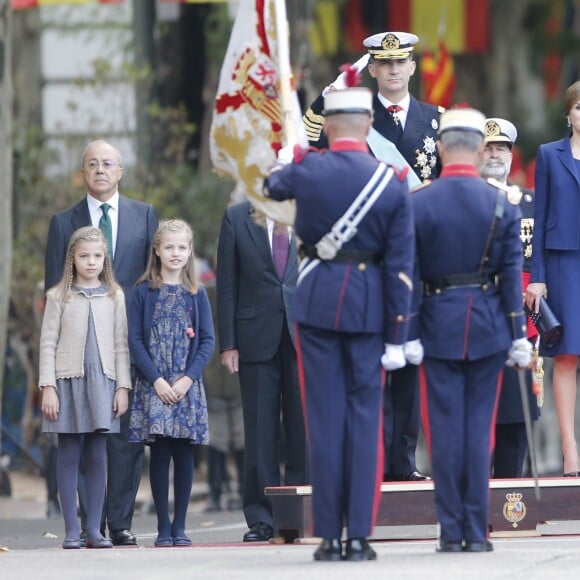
pixel 513 192
pixel 421 185
pixel 313 124
pixel 441 109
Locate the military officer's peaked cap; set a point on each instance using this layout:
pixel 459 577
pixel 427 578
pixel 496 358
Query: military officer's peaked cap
pixel 391 45
pixel 500 131
pixel 353 100
pixel 462 120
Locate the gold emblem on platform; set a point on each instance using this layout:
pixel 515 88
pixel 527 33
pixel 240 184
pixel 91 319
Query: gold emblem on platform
pixel 514 510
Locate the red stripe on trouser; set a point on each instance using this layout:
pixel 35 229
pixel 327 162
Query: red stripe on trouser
pixel 494 415
pixel 302 387
pixel 424 407
pixel 380 460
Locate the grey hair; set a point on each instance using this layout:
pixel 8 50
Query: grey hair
pixel 100 142
pixel 461 140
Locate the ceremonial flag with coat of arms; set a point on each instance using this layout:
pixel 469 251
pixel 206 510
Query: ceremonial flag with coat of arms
pixel 248 126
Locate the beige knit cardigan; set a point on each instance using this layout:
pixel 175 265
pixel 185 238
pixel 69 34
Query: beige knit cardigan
pixel 64 335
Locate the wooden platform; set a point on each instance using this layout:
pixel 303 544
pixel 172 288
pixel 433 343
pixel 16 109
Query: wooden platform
pixel 514 509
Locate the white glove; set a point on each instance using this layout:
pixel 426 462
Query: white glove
pixel 394 357
pixel 520 354
pixel 286 154
pixel 339 83
pixel 414 351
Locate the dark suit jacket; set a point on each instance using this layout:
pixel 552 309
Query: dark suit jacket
pixel 138 223
pixel 252 301
pixel 557 211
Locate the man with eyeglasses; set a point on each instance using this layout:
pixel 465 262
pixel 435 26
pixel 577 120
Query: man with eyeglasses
pixel 129 226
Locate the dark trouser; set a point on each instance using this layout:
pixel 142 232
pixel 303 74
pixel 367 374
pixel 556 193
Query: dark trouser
pixel 268 388
pixel 459 401
pixel 511 445
pixel 401 420
pixel 341 384
pixel 124 469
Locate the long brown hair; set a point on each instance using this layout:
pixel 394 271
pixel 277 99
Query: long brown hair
pixel 107 277
pixel 152 273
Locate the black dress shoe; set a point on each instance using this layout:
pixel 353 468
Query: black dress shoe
pixel 358 549
pixel 406 476
pixel 330 550
pixel 486 546
pixel 259 532
pixel 444 546
pixel 571 474
pixel 122 538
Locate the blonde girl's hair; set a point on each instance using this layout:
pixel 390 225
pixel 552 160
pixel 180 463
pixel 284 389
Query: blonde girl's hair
pixel 152 273
pixel 107 277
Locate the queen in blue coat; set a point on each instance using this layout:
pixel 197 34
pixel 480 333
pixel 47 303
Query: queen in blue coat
pixel 556 264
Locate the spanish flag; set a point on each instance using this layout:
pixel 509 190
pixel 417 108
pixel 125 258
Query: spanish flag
pixel 438 77
pixel 466 23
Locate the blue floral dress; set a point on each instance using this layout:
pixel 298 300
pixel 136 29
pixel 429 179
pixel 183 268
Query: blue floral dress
pixel 171 338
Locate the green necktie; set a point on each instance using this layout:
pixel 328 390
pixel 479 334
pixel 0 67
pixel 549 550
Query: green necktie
pixel 107 228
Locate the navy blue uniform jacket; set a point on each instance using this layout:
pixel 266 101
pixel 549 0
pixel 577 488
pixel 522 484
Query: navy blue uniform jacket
pixel 453 216
pixel 368 299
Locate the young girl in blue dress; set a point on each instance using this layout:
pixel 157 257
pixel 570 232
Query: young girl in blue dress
pixel 84 375
pixel 171 340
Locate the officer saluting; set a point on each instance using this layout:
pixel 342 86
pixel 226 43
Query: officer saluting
pixel 470 318
pixel 353 296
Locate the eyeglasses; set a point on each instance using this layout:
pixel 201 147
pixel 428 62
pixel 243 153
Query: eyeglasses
pixel 107 164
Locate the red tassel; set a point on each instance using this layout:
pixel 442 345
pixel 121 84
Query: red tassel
pixel 352 76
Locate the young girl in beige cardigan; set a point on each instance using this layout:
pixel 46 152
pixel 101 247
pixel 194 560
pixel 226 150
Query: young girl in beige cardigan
pixel 84 375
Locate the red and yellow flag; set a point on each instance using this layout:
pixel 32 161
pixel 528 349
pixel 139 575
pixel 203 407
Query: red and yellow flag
pixel 466 23
pixel 438 77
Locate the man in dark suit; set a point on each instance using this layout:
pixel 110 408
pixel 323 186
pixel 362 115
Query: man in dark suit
pixel 131 225
pixel 350 305
pixel 410 125
pixel 470 319
pixel 255 331
pixel 510 429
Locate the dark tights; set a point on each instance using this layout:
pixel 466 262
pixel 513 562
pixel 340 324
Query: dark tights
pixel 163 450
pixel 94 449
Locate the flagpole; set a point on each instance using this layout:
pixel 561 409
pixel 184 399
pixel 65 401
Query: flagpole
pixel 285 71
